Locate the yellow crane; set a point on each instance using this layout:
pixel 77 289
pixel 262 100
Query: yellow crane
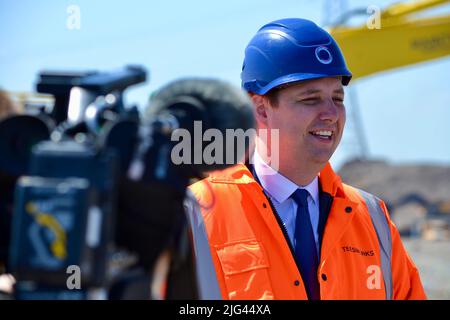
pixel 400 39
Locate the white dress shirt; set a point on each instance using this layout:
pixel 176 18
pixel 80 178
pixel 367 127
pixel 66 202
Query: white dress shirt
pixel 279 189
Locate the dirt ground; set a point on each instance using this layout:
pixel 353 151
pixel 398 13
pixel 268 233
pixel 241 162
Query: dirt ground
pixel 432 258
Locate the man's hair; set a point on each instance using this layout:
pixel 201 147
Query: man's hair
pixel 272 95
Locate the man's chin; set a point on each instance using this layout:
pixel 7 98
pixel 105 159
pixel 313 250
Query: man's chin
pixel 321 159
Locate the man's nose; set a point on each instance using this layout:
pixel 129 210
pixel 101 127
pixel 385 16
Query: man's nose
pixel 329 111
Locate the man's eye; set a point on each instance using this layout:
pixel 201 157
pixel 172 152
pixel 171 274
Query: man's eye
pixel 339 100
pixel 310 101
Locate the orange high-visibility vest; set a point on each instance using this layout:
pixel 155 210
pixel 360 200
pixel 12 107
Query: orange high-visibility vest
pixel 253 260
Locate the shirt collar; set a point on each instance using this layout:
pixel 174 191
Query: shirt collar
pixel 278 186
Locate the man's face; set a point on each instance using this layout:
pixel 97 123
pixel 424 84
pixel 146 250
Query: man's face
pixel 310 117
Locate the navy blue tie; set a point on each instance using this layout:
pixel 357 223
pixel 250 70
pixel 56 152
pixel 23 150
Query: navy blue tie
pixel 305 245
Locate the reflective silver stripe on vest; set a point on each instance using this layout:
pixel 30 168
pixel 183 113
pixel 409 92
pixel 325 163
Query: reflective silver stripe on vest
pixel 208 286
pixel 384 238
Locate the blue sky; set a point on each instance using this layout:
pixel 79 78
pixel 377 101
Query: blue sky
pixel 405 113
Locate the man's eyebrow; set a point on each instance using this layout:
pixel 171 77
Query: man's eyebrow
pixel 308 91
pixel 313 91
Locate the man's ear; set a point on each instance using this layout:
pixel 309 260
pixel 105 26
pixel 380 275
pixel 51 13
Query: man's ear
pixel 260 109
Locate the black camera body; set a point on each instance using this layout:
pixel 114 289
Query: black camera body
pixel 64 217
pixel 65 204
pixel 97 198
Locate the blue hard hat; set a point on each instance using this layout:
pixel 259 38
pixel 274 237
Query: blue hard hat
pixel 291 50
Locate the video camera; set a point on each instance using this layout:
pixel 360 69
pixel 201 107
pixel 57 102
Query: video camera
pixel 97 197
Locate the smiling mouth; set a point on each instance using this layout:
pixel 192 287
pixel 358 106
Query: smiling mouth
pixel 322 134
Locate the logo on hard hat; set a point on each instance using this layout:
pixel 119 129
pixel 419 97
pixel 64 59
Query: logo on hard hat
pixel 323 55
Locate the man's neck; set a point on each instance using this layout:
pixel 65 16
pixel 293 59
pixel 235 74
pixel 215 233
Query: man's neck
pixel 300 172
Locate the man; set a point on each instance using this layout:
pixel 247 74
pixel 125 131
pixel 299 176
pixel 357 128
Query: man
pixel 290 229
